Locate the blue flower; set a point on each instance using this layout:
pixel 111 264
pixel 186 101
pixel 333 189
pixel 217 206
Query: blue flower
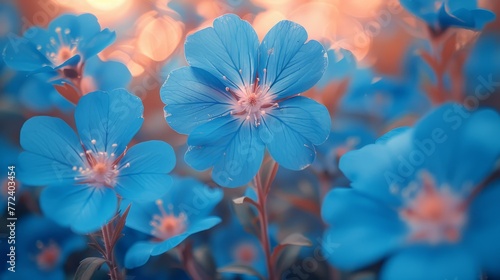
pixel 183 211
pixel 237 98
pixel 36 94
pixel 86 173
pixel 233 245
pixel 61 49
pixel 43 248
pixel 443 14
pixel 420 197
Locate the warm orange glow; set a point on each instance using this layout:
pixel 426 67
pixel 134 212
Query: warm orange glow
pixel 158 36
pixel 264 21
pixel 106 5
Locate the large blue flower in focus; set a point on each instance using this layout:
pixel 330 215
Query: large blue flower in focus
pixel 239 97
pixel 43 248
pixel 85 174
pixel 183 211
pixel 419 197
pixel 443 14
pixel 61 49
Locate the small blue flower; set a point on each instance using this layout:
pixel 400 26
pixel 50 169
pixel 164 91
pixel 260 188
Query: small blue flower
pixel 443 14
pixel 36 94
pixel 84 174
pixel 43 248
pixel 180 213
pixel 233 245
pixel 61 49
pixel 238 98
pixel 415 200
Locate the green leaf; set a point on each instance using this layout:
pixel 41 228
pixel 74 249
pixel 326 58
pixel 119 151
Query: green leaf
pixel 87 268
pixel 240 269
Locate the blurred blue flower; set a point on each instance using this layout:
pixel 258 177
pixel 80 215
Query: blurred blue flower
pixel 85 173
pixel 236 246
pixel 10 25
pixel 381 99
pixel 61 49
pixel 415 200
pixel 237 98
pixel 482 68
pixel 43 248
pixel 183 211
pixel 35 93
pixel 341 64
pixel 443 14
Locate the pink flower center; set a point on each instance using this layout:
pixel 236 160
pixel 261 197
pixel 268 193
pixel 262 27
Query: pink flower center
pixel 101 168
pixel 435 215
pixel 65 50
pixel 48 256
pixel 253 102
pixel 245 253
pixel 167 224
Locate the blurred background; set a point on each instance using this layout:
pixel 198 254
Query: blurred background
pixel 378 81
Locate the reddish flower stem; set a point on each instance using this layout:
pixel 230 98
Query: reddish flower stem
pixel 107 235
pixel 262 192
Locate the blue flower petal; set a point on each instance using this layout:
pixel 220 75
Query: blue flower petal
pixel 193 97
pixel 198 226
pixel 52 149
pixel 84 208
pixel 391 169
pixel 193 198
pixel 291 131
pixel 108 118
pixel 22 55
pixel 74 27
pixel 433 263
pixel 96 44
pixel 138 254
pixel 146 177
pixel 231 145
pixel 341 63
pixel 228 51
pixel 140 215
pixel 361 231
pixel 483 227
pixel 107 75
pixel 288 66
pixel 464 136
